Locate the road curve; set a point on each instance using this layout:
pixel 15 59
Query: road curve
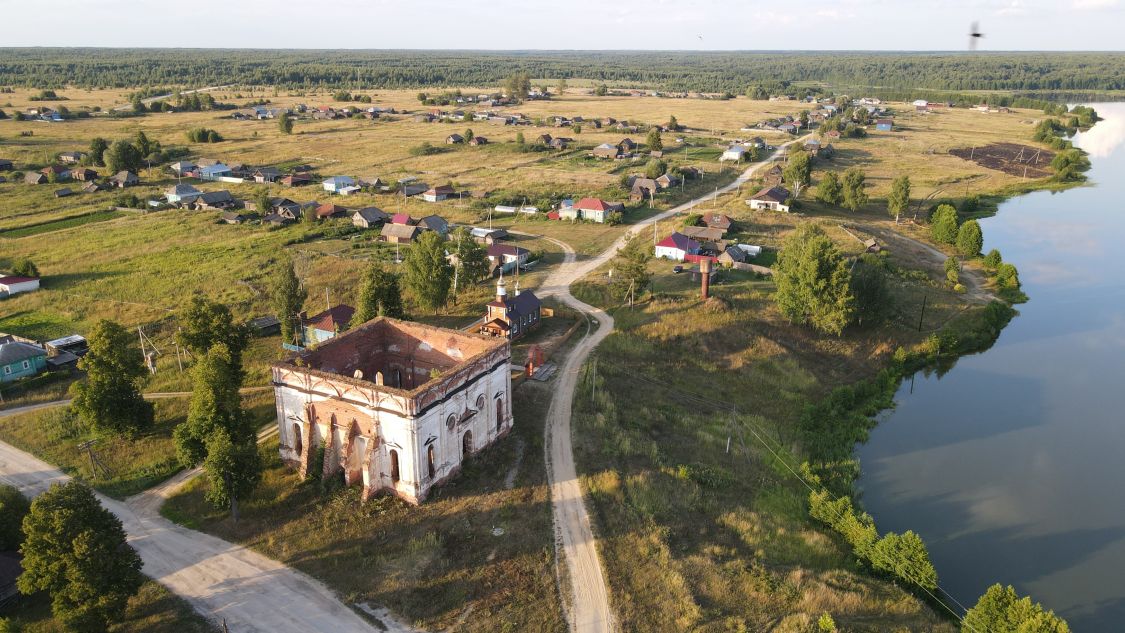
pixel 221 580
pixel 589 610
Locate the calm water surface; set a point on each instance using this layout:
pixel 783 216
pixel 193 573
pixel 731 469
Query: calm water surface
pixel 1012 465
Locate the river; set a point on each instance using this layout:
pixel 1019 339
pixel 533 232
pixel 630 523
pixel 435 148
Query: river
pixel 1012 465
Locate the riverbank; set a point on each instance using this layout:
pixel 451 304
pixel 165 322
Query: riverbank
pixel 1003 463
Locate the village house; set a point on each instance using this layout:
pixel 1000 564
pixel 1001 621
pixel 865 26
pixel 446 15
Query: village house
pixel 434 223
pixel 124 179
pixel 437 194
pixel 71 158
pixel 181 194
pixel 482 235
pixel 478 140
pixel 12 285
pixel 337 183
pixel 676 247
pixel 717 221
pixel 325 325
pixel 214 201
pixel 20 360
pixel 643 189
pixel 92 187
pixel 182 168
pixel 770 199
pixel 64 192
pixel 329 210
pixel 733 153
pixel 83 174
pixel 704 234
pixel 605 150
pixel 369 217
pixel 506 257
pixel 511 317
pixel 266 174
pixel 233 217
pixel 296 180
pixel 214 172
pixel 454 139
pixel 884 125
pixel 396 406
pixel 403 219
pixel 399 233
pixel 6 165
pixel 666 181
pixel 591 209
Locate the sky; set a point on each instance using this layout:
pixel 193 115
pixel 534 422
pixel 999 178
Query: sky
pixel 569 24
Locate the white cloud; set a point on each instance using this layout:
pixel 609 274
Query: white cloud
pixel 1015 7
pixel 1093 5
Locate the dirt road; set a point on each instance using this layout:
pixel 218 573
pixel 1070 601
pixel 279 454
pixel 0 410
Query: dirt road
pixel 221 580
pixel 152 100
pixel 588 610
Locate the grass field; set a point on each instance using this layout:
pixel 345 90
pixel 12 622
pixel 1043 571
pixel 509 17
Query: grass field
pixel 478 547
pixel 152 610
pixel 698 537
pixel 130 466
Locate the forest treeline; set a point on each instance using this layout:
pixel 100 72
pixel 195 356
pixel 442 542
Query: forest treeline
pixel 731 72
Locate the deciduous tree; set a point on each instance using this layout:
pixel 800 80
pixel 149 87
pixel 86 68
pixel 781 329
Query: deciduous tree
pixel 427 273
pixel 813 282
pixel 970 239
pixel 899 198
pixel 943 224
pixel 285 123
pixel 653 141
pixel 96 155
pixel 869 287
pixel 655 168
pixel 379 295
pixel 829 190
pixel 472 258
pixel 109 399
pixel 205 323
pixel 854 194
pixel 123 156
pixel 13 508
pixel 234 470
pixel 797 171
pixel 75 550
pixel 905 556
pixel 1001 609
pixel 287 297
pixel 630 267
pixel 215 404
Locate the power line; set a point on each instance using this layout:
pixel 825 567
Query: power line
pixel 699 400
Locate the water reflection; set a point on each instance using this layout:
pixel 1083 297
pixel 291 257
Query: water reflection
pixel 1009 465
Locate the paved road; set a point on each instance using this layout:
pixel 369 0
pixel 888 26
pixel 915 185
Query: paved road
pixel 589 610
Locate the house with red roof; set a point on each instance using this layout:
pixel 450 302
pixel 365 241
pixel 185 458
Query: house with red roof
pixel 590 209
pixel 677 247
pixel 12 284
pixel 325 325
pixel 404 219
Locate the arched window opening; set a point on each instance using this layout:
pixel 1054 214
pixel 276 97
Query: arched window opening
pixel 430 462
pixel 499 414
pixel 394 466
pixel 467 445
pixel 298 443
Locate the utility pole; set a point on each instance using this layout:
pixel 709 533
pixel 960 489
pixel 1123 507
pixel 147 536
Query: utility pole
pixel 923 314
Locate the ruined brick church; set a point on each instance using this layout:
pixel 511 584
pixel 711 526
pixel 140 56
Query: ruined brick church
pixel 397 406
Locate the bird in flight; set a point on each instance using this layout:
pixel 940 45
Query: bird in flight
pixel 974 35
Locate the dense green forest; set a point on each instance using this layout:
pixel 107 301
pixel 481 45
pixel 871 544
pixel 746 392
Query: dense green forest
pixel 703 71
